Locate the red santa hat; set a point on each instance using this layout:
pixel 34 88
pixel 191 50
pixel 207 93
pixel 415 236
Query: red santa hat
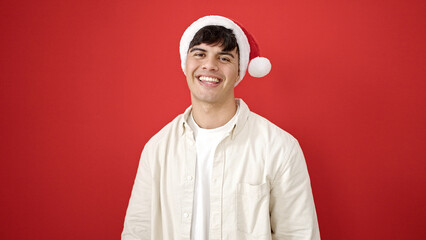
pixel 248 48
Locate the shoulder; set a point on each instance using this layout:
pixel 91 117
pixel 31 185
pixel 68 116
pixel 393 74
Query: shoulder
pixel 261 130
pixel 162 137
pixel 268 131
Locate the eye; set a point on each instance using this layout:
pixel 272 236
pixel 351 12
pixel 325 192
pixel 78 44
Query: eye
pixel 224 59
pixel 199 54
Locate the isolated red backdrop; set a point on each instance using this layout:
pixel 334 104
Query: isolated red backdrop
pixel 84 85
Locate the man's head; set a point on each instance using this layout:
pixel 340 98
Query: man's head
pixel 215 53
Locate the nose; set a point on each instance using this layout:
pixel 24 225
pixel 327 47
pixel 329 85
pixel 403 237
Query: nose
pixel 210 64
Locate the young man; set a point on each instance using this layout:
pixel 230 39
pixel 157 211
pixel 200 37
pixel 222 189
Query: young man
pixel 220 171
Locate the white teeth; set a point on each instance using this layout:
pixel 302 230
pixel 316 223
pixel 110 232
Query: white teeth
pixel 208 79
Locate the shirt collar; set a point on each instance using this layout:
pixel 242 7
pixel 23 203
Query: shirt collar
pixel 183 121
pixel 238 126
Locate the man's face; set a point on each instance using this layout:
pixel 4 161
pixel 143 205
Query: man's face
pixel 211 73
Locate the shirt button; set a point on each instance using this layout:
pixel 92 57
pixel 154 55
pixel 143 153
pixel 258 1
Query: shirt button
pixel 186 215
pixel 189 178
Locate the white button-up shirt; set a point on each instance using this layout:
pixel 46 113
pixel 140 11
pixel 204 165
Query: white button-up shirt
pixel 260 187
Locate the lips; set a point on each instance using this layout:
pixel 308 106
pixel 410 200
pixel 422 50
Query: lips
pixel 209 80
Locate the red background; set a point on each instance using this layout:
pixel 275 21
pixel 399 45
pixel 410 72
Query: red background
pixel 84 85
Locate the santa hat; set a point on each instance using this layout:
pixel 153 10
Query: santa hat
pixel 248 48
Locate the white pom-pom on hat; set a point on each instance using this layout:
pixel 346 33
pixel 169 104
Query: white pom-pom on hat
pixel 259 67
pixel 248 48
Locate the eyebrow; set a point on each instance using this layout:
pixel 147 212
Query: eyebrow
pixel 227 53
pixel 197 49
pixel 203 50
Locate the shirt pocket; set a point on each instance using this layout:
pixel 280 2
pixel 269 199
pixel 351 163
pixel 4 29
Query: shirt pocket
pixel 253 209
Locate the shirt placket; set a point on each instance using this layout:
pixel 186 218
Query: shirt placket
pixel 188 188
pixel 216 192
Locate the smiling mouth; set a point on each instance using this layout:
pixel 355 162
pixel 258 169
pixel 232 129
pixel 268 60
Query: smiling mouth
pixel 209 80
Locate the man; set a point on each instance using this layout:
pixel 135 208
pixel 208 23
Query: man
pixel 219 171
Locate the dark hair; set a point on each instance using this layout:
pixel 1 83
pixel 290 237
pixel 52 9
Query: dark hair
pixel 216 35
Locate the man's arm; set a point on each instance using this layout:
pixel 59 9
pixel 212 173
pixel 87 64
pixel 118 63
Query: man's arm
pixel 293 214
pixel 137 224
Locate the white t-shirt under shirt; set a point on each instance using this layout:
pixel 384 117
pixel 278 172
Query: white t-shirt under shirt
pixel 206 141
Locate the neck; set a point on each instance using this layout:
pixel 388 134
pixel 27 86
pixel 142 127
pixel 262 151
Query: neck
pixel 210 116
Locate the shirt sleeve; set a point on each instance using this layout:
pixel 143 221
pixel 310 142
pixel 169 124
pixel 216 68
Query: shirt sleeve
pixel 292 208
pixel 137 223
